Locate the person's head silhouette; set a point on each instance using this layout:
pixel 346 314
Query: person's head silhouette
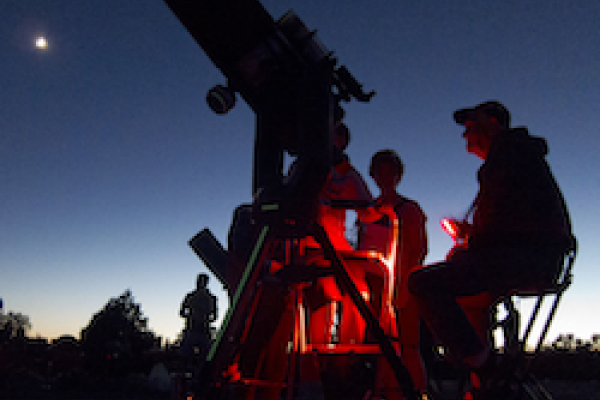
pixel 202 281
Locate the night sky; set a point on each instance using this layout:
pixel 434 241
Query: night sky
pixel 110 159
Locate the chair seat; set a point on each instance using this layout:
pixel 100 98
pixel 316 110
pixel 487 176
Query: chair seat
pixel 537 291
pixel 343 348
pixel 373 261
pixel 364 255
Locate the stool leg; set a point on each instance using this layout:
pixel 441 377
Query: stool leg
pixel 534 314
pixel 549 320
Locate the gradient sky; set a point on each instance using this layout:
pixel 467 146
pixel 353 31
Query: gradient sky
pixel 110 159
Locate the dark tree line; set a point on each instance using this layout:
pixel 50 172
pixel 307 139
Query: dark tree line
pixel 116 350
pixel 111 359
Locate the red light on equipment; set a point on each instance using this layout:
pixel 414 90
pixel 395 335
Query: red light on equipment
pixel 451 227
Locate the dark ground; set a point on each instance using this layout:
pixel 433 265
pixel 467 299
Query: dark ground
pixel 573 390
pixel 560 390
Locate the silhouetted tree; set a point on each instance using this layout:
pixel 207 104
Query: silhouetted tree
pixel 595 342
pixel 13 325
pixel 117 337
pixel 565 342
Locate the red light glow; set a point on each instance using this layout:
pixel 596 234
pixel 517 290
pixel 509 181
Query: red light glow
pixel 450 226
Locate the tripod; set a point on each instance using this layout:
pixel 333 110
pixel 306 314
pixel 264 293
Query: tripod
pixel 258 315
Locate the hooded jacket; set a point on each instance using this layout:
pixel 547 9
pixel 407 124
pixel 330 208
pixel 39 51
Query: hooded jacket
pixel 519 201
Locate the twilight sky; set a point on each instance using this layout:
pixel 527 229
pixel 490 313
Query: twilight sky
pixel 110 159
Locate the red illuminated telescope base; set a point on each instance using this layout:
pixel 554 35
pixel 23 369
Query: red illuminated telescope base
pixel 261 349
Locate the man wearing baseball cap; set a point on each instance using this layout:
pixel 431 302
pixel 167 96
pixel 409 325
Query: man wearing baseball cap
pixel 518 235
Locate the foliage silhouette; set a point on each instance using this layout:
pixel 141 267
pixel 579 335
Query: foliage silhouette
pixel 13 325
pixel 117 339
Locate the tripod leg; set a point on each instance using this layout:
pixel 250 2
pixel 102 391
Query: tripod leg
pixel 227 343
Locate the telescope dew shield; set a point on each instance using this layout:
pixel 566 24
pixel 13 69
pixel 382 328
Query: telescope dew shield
pixel 209 249
pixel 227 31
pixel 305 42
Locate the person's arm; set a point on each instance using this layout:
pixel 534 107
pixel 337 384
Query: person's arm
pixel 184 310
pixel 213 309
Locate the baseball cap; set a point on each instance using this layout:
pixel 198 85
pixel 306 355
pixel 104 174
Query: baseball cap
pixel 491 108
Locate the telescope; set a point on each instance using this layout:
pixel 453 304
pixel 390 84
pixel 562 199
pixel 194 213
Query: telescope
pixel 295 88
pixel 258 56
pixel 288 78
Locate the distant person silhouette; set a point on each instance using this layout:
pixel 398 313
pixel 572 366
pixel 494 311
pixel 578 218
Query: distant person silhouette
pixel 519 234
pixel 199 308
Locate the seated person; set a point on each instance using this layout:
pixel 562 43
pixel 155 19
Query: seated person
pixel 519 235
